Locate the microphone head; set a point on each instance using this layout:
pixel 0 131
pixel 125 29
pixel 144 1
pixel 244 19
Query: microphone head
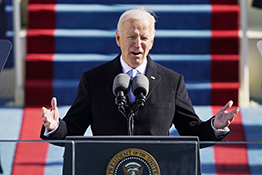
pixel 140 84
pixel 121 83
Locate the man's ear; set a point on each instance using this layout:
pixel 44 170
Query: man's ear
pixel 118 38
pixel 152 43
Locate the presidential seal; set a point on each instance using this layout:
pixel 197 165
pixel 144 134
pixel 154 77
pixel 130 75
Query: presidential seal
pixel 133 161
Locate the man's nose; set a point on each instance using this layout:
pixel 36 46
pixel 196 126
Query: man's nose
pixel 138 42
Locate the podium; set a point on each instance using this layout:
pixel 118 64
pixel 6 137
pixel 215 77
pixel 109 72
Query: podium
pixel 138 155
pixel 5 48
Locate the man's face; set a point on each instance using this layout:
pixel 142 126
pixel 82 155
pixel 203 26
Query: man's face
pixel 135 41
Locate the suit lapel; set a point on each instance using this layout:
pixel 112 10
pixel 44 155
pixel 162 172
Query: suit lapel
pixel 152 73
pixel 114 69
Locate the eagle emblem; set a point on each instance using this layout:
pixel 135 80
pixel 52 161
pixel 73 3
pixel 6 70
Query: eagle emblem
pixel 132 168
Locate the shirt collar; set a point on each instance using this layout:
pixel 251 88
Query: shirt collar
pixel 125 67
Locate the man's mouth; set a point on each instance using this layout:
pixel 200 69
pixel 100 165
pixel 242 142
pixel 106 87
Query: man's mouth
pixel 136 53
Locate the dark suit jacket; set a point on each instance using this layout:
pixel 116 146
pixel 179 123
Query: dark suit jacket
pixel 167 103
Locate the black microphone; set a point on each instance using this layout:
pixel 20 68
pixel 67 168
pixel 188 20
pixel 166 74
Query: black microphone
pixel 120 89
pixel 140 86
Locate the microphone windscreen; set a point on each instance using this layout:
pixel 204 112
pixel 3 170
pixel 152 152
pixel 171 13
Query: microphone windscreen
pixel 121 83
pixel 140 84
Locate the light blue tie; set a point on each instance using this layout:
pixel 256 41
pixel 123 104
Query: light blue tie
pixel 132 73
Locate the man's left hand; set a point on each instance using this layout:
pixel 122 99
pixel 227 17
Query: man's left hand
pixel 223 118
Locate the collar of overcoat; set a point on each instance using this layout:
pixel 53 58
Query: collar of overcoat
pixel 152 72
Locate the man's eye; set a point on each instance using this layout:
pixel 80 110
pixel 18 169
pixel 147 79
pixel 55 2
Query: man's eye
pixel 132 37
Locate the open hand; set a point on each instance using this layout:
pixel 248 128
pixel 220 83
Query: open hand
pixel 50 117
pixel 224 117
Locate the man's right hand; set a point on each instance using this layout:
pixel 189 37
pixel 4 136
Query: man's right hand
pixel 50 117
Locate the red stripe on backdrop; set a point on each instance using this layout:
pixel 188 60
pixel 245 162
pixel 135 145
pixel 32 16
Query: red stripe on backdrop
pixel 42 1
pixel 39 79
pixel 38 93
pixel 41 16
pixel 222 92
pixel 40 41
pixel 224 2
pixel 224 42
pixel 225 17
pixel 225 68
pixel 232 159
pixel 39 66
pixel 30 157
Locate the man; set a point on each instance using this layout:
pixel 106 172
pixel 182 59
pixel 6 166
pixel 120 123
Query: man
pixel 167 101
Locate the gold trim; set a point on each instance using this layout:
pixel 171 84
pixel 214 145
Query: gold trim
pixel 133 152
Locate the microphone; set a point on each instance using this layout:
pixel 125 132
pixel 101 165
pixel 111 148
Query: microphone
pixel 140 86
pixel 120 89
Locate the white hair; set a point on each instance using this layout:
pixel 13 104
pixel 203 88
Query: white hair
pixel 136 13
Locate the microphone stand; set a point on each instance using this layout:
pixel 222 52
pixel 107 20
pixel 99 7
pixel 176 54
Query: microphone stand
pixel 131 121
pixel 135 107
